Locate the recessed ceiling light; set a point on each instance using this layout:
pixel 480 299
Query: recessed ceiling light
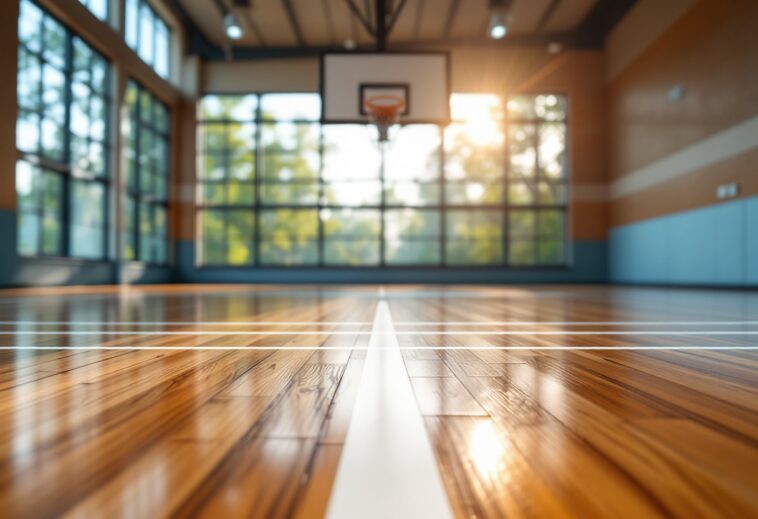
pixel 233 27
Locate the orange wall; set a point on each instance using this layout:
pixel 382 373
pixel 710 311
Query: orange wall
pixel 712 51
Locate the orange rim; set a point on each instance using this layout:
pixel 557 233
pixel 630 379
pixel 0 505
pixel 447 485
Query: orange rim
pixel 384 105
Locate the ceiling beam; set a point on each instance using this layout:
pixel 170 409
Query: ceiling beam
pixel 395 15
pixel 294 24
pixel 591 32
pixel 249 20
pixel 327 9
pixel 450 18
pixel 357 13
pixel 549 10
pixel 417 20
pixel 380 19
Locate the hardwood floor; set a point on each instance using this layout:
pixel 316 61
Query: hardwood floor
pixel 233 401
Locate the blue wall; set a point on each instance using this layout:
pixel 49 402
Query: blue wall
pixel 589 266
pixel 714 245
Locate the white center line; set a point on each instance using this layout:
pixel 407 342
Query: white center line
pixel 387 468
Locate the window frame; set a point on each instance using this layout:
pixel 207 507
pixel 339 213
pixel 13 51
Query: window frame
pixel 157 20
pixel 443 206
pixel 132 192
pixel 63 168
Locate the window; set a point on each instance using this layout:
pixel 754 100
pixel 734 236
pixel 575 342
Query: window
pixel 278 189
pixel 98 7
pixel 61 133
pixel 537 180
pixel 149 36
pixel 146 206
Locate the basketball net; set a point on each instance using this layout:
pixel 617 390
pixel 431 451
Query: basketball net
pixel 384 111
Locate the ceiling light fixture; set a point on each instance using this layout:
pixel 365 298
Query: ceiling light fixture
pixel 233 27
pixel 499 18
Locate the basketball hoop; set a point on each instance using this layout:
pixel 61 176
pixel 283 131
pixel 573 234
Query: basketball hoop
pixel 384 111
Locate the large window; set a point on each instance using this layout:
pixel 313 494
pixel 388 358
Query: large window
pixel 145 231
pixel 278 189
pixel 61 133
pixel 148 35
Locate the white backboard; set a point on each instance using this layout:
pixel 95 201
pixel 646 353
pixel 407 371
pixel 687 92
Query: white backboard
pixel 421 78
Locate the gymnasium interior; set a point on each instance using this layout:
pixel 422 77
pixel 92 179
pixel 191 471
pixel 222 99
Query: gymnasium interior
pixel 378 258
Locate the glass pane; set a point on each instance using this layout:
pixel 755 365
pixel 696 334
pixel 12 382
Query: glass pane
pixel 289 193
pixel 474 237
pixel 349 223
pixel 146 34
pixel 87 242
pixel 474 150
pixel 413 236
pixel 87 203
pixel 212 137
pixel 474 192
pixel 241 193
pixel 551 251
pixel 242 166
pixel 214 193
pixel 240 232
pixel 551 224
pixel 521 150
pixel 28 233
pixel 227 107
pixel 289 237
pixel 550 107
pixel 27 132
pixel 132 19
pixel 162 43
pixel 212 166
pixel 414 153
pixel 212 226
pixel 27 186
pixel 349 152
pixel 29 85
pixel 353 193
pixel 552 194
pixel 292 137
pixel 54 45
pixel 476 107
pixel 552 150
pixel 521 252
pixel 412 193
pixel 351 252
pixel 521 225
pixel 288 107
pixel 521 193
pixel 29 26
pixel 287 166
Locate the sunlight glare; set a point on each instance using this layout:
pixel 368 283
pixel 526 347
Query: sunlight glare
pixel 488 450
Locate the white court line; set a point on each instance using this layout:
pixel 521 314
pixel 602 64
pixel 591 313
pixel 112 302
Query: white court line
pixel 397 323
pixel 360 332
pixel 364 348
pixel 387 468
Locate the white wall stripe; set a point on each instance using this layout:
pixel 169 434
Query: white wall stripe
pixel 723 145
pixel 387 468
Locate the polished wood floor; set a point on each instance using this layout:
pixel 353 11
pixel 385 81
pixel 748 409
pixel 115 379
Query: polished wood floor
pixel 214 402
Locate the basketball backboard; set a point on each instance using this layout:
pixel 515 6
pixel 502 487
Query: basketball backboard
pixel 421 79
